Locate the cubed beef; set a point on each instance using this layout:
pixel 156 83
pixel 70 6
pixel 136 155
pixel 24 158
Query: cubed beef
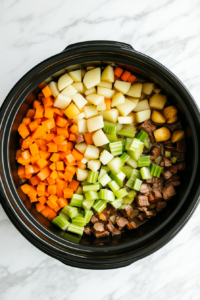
pixel 142 200
pixel 181 146
pixel 127 212
pixel 109 226
pixel 149 181
pixel 156 151
pixel 173 170
pixel 142 208
pixel 162 164
pixel 79 138
pixel 172 182
pixel 157 185
pixel 166 174
pixel 148 127
pixel 175 177
pixel 121 222
pixel 160 205
pixel 87 230
pixel 141 217
pixel 151 197
pixel 94 220
pixel 167 162
pixel 116 231
pixel 98 227
pixel 148 214
pixel 180 166
pixel 101 234
pixel 157 194
pixel 144 189
pixel 168 191
pixel 131 225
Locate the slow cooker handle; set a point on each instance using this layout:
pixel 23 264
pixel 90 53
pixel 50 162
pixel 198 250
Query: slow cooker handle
pixel 112 44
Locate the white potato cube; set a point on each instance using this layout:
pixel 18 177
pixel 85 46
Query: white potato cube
pixel 94 99
pixel 105 84
pixel 62 101
pixel 157 101
pixel 81 147
pixel 157 90
pixel 81 175
pixel 99 138
pixel 54 88
pixel 125 120
pixel 92 78
pixel 94 165
pixel 83 71
pixel 79 117
pixel 84 160
pixel 108 74
pixel 91 152
pixel 110 115
pixel 90 91
pixel 75 75
pixel 82 126
pixel 125 108
pixel 105 157
pixel 64 81
pixel 79 86
pixel 147 88
pixel 118 99
pixel 142 116
pixel 79 100
pixel 95 123
pixel 135 90
pixel 101 106
pixel 69 91
pixel 142 105
pixel 90 111
pixel 122 86
pixel 132 115
pixel 107 93
pixel 134 100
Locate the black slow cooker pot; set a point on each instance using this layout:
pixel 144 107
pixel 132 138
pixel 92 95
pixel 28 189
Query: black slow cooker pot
pixel 88 252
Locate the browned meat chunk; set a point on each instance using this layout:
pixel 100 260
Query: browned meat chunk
pixel 172 182
pixel 168 191
pixel 141 217
pixel 180 166
pixel 149 180
pixel 151 197
pixel 144 189
pixel 131 225
pixel 160 205
pixel 142 208
pixel 79 138
pixel 87 230
pixel 173 170
pixel 142 200
pixel 101 234
pixel 109 226
pixel 156 152
pixel 127 212
pixel 162 164
pixel 157 194
pixel 166 174
pixel 181 146
pixel 98 227
pixel 121 222
pixel 175 177
pixel 148 127
pixel 94 220
pixel 167 162
pixel 116 231
pixel 157 185
pixel 148 214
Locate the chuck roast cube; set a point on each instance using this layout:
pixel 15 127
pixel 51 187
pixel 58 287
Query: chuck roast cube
pixel 101 234
pixel 168 191
pixel 156 151
pixel 167 162
pixel 180 166
pixel 160 205
pixel 98 227
pixel 166 174
pixel 127 212
pixel 142 200
pixel 157 194
pixel 144 189
pixel 131 225
pixel 148 127
pixel 110 227
pixel 87 230
pixel 141 217
pixel 116 231
pixel 148 214
pixel 94 220
pixel 121 222
pixel 79 138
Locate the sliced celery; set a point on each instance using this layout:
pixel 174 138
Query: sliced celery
pixel 131 161
pixel 136 153
pixel 121 193
pixel 131 194
pixel 85 183
pixel 79 190
pixel 71 211
pixel 61 213
pixel 119 178
pixel 123 144
pixel 145 173
pixel 117 203
pixel 144 161
pixel 99 205
pixel 142 136
pixel 155 170
pixel 92 187
pixel 110 127
pixel 137 184
pixel 91 195
pixel 92 177
pixel 116 148
pixel 79 221
pixel 119 127
pixel 105 179
pixel 101 173
pixel 135 174
pixel 61 222
pixel 174 159
pixel 147 143
pixel 106 147
pixel 130 183
pixel 106 195
pixel 127 130
pixel 76 200
pixel 124 156
pixel 136 144
pixel 113 186
pixel 128 143
pixel 158 159
pixel 167 153
pixel 127 200
pixel 115 164
pixel 87 204
pixel 112 138
pixel 88 215
pixel 75 229
pixel 127 171
pixel 106 169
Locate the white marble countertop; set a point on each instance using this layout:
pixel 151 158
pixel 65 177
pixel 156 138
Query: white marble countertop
pixel 168 31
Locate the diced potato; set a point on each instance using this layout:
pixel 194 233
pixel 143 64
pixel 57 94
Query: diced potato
pixel 107 93
pixel 172 120
pixel 162 134
pixel 94 165
pixel 90 111
pixel 178 135
pixel 117 99
pixel 101 106
pixel 83 71
pixel 157 90
pixel 81 147
pixel 132 115
pixel 157 101
pixel 125 120
pixel 99 138
pixel 141 116
pixel 170 111
pixel 72 111
pixel 62 101
pixel 147 88
pixel 108 74
pixel 94 99
pixel 84 160
pixel 90 91
pixel 75 75
pixel 110 115
pixel 79 117
pixel 95 123
pixel 142 105
pixel 105 157
pixel 143 96
pixel 91 152
pixel 79 86
pixel 135 90
pixel 125 108
pixel 90 68
pixel 82 126
pixel 122 86
pixel 92 78
pixel 79 100
pixel 157 117
pixel 105 84
pixel 69 91
pixel 54 88
pixel 64 81
pixel 81 175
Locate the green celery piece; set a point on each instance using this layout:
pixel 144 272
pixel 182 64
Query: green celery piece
pixel 168 154
pixel 112 138
pixel 127 171
pixel 142 135
pixel 137 184
pixel 123 144
pixel 132 162
pixel 75 229
pixel 119 127
pixel 127 200
pixel 105 168
pixel 145 173
pixel 91 195
pixel 119 178
pixel 128 130
pixel 113 186
pixel 130 183
pixel 158 159
pixel 105 179
pixel 110 127
pixel 71 211
pixel 174 159
pixel 85 183
pixel 92 177
pixel 115 164
pixel 76 200
pixel 101 173
pixel 61 213
pixel 147 143
pixel 87 204
pixel 135 144
pixel 128 143
pixel 92 187
pixel 155 170
pixel 61 222
pixel 135 174
pixel 106 195
pixel 136 153
pixel 116 148
pixel 117 203
pixel 88 215
pixel 131 194
pixel 99 205
pixel 106 147
pixel 79 221
pixel 144 161
pixel 121 193
pixel 124 156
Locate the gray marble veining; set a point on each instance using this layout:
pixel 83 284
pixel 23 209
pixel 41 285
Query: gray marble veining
pixel 168 31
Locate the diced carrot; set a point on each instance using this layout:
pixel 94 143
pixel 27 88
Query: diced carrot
pixel 49 124
pixel 61 175
pixel 55 157
pixel 51 180
pixel 51 189
pixel 50 137
pixel 23 130
pixel 42 200
pixel 38 121
pixel 71 169
pixel 81 165
pixel 34 149
pixel 39 112
pixel 117 78
pixel 64 154
pixel 56 209
pixel 35 158
pixel 30 113
pixel 29 169
pixel 70 145
pixel 26 154
pixel 48 101
pixel 70 158
pixel 118 71
pixel 73 185
pixel 65 184
pixel 36 169
pixel 63 147
pixel 131 78
pixel 26 121
pixel 74 128
pixel 54 174
pixel 27 142
pixel 48 112
pixel 60 166
pixel 40 206
pixel 52 215
pixel 60 121
pixel 60 183
pixel 125 75
pixel 62 202
pixel 21 171
pixel 74 163
pixel 77 155
pixel 28 176
pixel 58 111
pixel 45 154
pixel 41 189
pixel 88 138
pixel 18 153
pixel 103 216
pixel 25 188
pixel 47 211
pixel 68 193
pixel 62 131
pixel 36 103
pixel 23 161
pixel 72 137
pixel 52 166
pixel 43 145
pixel 33 125
pixel 53 198
pixel 59 139
pixel 34 180
pixel 68 176
pixel 39 132
pixel 52 147
pixel 60 193
pixel 33 199
pixel 108 103
pixel 42 163
pixel 54 129
pixel 42 175
pixel 46 91
pixel 20 142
